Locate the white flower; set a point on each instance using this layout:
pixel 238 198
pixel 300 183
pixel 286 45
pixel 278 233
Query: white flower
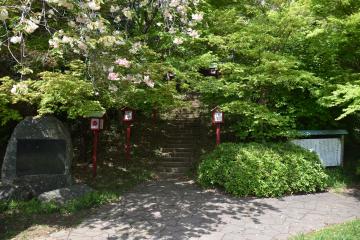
pixel 178 41
pixel 3 14
pixel 20 88
pixel 148 81
pixel 127 13
pixel 93 5
pixel 193 33
pixel 172 30
pixel 67 39
pixel 82 18
pixel 168 15
pixel 15 39
pixel 51 12
pixel 198 17
pixel 108 41
pixel 82 45
pixel 181 10
pixel 123 62
pixel 113 88
pixel 113 76
pixel 135 47
pixel 174 3
pixel 72 24
pixel 114 8
pixel 143 3
pixel 14 89
pixel 129 77
pixel 30 26
pixel 55 42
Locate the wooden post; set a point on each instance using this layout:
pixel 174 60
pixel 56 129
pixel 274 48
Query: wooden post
pixel 127 143
pixel 94 156
pixel 217 133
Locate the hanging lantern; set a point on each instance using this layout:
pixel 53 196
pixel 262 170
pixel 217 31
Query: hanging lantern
pixel 128 115
pixel 217 116
pixel 213 68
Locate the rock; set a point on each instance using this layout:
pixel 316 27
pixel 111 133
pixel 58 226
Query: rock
pixel 39 155
pixel 16 192
pixel 63 195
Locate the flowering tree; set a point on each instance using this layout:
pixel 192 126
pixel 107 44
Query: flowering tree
pixel 127 47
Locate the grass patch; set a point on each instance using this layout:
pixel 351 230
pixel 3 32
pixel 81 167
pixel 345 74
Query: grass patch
pixel 345 231
pixel 34 206
pixel 341 178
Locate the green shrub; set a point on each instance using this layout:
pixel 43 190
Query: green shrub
pixel 263 170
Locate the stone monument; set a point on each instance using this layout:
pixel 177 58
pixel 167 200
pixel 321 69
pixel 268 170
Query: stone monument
pixel 38 156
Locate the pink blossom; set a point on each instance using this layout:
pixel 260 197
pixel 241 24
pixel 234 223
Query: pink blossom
pixel 113 76
pixel 123 62
pixel 198 17
pixel 193 33
pixel 148 81
pixel 178 41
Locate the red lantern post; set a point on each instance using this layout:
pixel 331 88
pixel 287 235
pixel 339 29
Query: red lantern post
pixel 154 117
pixel 128 118
pixel 217 120
pixel 95 127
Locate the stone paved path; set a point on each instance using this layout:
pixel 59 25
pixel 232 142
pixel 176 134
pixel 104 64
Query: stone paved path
pixel 181 210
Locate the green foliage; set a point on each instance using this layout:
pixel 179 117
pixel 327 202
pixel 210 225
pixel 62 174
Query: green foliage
pixel 263 170
pixel 344 231
pixel 263 81
pixel 65 93
pixel 341 178
pixel 6 113
pixel 345 96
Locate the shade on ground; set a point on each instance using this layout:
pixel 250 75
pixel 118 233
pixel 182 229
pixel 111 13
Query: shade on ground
pixel 181 210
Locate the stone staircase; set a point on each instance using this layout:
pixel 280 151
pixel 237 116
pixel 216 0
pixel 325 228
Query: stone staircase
pixel 179 147
pixel 181 134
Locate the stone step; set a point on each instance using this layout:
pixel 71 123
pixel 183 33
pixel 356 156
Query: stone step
pixel 168 175
pixel 177 154
pixel 177 150
pixel 182 126
pixel 173 169
pixel 174 164
pixel 181 141
pixel 179 145
pixel 182 133
pixel 178 159
pixel 182 137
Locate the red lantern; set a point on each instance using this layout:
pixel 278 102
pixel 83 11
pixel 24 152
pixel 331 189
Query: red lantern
pixel 128 115
pixel 213 69
pixel 217 116
pixel 95 124
pixel 217 119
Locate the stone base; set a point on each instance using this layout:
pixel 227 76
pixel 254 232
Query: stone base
pixel 29 187
pixel 15 192
pixel 44 183
pixel 64 195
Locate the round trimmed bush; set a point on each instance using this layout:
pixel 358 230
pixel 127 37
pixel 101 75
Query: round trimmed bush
pixel 263 170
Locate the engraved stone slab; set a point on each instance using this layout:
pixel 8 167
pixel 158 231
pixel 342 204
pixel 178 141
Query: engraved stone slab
pixel 39 155
pixel 33 156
